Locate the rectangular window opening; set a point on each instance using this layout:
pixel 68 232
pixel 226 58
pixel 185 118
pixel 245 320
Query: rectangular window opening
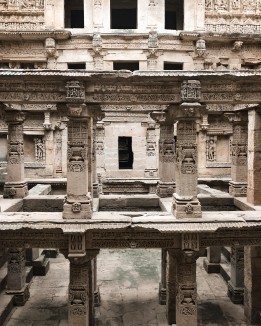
pixel 76 66
pixel 123 14
pixel 74 14
pixel 174 13
pixel 126 65
pixel 173 66
pixel 125 153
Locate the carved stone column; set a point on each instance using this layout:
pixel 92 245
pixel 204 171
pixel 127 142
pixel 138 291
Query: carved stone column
pixel 163 281
pixel 185 201
pixel 15 185
pixel 186 312
pixel 252 281
pixel 78 203
pixel 236 282
pixel 16 277
pixel 171 286
pixel 254 154
pixel 238 185
pixel 81 297
pixel 186 307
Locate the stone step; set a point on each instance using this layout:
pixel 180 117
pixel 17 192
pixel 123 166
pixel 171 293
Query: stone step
pixel 6 306
pixel 50 253
pixel 226 251
pixel 41 266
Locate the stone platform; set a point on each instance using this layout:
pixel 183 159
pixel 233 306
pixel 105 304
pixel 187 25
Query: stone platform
pixel 128 281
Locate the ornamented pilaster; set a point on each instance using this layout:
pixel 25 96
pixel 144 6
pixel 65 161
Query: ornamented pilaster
pixel 15 186
pixel 238 185
pixel 185 201
pixel 167 184
pixel 80 292
pixel 236 283
pixel 16 282
pixel 151 170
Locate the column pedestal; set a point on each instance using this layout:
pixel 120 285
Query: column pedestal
pixel 212 262
pixel 16 273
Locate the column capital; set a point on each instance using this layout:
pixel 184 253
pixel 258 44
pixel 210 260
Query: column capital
pixel 14 117
pixel 237 117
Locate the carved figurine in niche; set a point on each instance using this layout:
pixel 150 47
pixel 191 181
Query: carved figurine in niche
pixel 153 41
pixel 39 149
pixel 221 4
pixel 235 4
pixel 208 4
pixel 211 150
pixel 200 47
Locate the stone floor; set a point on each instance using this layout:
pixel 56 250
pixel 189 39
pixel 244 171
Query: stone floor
pixel 128 281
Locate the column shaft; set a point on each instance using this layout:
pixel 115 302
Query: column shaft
pixel 15 185
pixel 171 278
pixel 186 312
pixel 236 283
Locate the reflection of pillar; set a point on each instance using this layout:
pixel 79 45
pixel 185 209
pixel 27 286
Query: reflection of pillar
pixel 186 312
pixel 16 276
pixel 254 154
pixel 238 185
pixel 212 262
pixel 166 185
pixel 252 295
pixel 171 285
pixel 15 186
pixel 78 202
pixel 236 282
pixel 162 285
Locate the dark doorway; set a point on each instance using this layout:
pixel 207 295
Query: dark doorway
pixel 173 66
pixel 73 14
pixel 174 14
pixel 124 14
pixel 125 152
pixel 127 65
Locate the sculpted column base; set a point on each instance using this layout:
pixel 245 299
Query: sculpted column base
pixel 186 207
pixel 78 209
pixel 166 189
pixel 15 190
pixel 95 189
pixel 211 264
pixel 235 294
pixel 238 189
pixel 20 296
pixel 162 294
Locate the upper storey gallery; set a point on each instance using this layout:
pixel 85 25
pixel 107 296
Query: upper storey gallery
pixel 136 16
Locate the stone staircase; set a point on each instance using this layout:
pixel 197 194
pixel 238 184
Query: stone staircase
pixel 7 302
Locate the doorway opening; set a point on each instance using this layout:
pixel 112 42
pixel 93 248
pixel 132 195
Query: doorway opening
pixel 126 65
pixel 173 66
pixel 125 153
